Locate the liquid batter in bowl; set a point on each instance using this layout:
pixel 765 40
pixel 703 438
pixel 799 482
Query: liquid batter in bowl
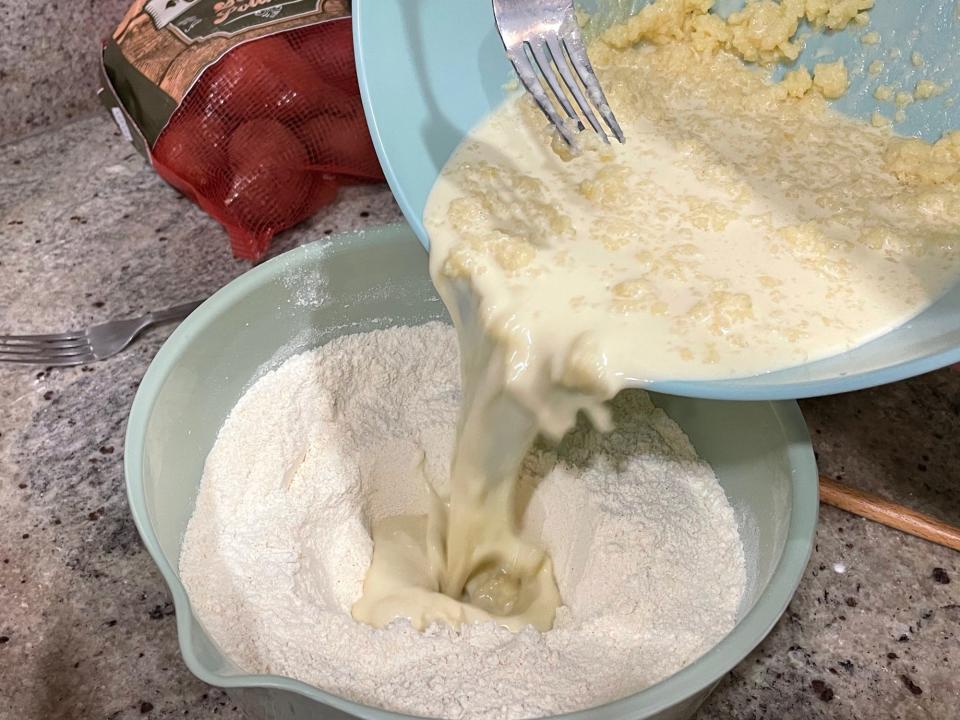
pixel 744 227
pixel 740 230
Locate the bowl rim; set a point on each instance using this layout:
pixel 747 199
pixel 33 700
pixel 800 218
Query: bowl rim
pixel 685 683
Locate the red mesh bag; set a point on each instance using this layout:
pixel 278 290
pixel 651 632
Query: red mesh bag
pixel 259 124
pixel 268 133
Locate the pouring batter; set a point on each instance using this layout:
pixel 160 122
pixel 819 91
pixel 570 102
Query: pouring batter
pixel 744 227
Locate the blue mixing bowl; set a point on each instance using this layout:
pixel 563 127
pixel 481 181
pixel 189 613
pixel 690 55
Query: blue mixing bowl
pixel 430 70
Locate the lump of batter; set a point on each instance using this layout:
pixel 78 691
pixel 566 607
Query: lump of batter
pixel 831 78
pixel 763 31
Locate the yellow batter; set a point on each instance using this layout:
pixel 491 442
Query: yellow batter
pixel 744 227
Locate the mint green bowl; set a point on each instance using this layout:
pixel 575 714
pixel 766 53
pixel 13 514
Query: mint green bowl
pixel 352 283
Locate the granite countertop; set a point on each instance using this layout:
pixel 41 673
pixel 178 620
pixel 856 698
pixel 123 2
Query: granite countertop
pixel 49 64
pixel 88 232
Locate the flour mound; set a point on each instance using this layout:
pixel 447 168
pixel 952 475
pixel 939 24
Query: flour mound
pixel 644 543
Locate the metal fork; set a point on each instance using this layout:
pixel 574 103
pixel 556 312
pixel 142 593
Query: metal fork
pixel 95 343
pixel 548 29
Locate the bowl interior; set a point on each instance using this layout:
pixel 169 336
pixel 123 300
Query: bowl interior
pixel 430 70
pixel 760 451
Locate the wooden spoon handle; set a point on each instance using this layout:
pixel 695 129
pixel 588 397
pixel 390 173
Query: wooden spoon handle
pixel 888 513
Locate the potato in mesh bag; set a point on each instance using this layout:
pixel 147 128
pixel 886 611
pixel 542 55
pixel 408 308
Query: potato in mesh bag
pixel 250 108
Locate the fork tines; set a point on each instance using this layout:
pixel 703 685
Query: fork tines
pixel 560 50
pixel 58 349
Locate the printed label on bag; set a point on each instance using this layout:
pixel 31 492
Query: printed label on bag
pixel 198 20
pixel 170 42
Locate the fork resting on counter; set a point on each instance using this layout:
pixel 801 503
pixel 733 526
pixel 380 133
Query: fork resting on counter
pixel 97 342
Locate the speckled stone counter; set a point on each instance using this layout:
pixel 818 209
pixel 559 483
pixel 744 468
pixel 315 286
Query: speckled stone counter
pixel 87 232
pixel 49 61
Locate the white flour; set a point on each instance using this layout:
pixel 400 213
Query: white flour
pixel 645 546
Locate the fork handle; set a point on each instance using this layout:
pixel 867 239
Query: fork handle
pixel 177 312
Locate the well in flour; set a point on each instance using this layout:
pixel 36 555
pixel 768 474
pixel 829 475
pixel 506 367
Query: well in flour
pixel 644 544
